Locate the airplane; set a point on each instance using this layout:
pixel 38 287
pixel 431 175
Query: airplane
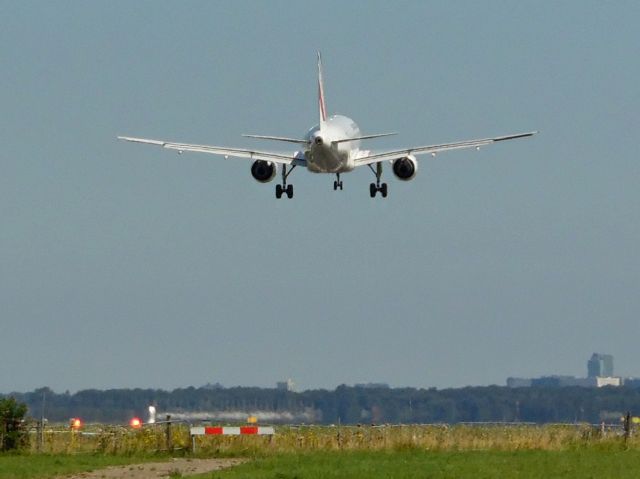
pixel 333 147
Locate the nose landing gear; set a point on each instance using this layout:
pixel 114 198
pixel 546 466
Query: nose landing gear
pixel 338 183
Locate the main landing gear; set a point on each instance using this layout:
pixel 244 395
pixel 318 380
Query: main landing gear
pixel 338 183
pixel 375 187
pixel 284 188
pixel 287 189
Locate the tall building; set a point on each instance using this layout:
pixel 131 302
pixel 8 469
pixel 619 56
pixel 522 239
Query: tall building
pixel 287 385
pixel 600 365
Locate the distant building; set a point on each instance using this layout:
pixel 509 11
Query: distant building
pixel 519 382
pixel 600 369
pixel 563 382
pixel 287 385
pixel 632 382
pixel 609 381
pixel 600 365
pixel 553 381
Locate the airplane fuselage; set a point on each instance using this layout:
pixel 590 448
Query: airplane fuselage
pixel 327 151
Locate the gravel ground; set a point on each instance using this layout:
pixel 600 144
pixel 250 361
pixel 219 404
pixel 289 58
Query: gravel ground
pixel 154 470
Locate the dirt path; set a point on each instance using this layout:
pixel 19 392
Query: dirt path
pixel 155 470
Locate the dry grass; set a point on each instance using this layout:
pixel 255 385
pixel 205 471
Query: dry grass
pixel 149 440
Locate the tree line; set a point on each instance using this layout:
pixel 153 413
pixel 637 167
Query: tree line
pixel 347 404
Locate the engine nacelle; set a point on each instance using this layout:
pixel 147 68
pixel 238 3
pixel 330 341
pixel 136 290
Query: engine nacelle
pixel 263 171
pixel 405 168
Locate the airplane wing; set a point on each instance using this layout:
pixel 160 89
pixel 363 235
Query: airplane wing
pixel 433 149
pixel 218 150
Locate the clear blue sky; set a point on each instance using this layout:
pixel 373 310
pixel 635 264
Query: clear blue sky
pixel 124 266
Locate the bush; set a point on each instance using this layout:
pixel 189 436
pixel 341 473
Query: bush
pixel 13 429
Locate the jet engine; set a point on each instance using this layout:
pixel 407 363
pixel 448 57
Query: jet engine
pixel 263 171
pixel 405 168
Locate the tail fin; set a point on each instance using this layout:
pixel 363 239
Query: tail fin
pixel 321 105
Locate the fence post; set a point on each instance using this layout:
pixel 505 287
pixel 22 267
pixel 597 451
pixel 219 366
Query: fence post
pixel 40 435
pixel 72 439
pixel 168 434
pixel 627 425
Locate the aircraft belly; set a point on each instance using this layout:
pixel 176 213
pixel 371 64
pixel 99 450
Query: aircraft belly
pixel 327 162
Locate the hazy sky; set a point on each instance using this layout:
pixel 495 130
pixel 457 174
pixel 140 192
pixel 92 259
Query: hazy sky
pixel 130 266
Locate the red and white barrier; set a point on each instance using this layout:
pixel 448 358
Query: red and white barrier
pixel 232 431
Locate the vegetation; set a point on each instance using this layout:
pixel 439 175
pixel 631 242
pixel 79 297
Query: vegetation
pixel 351 405
pixel 405 463
pixel 109 440
pixel 13 430
pixel 415 463
pixel 350 452
pixel 46 465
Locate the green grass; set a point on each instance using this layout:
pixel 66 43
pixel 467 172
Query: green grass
pixel 584 463
pixel 41 466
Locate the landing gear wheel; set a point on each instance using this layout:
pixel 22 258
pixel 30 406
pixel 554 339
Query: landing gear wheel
pixel 383 190
pixel 335 185
pixel 289 191
pixel 373 190
pixel 278 191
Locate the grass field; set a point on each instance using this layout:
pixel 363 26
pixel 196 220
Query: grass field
pixel 44 465
pixel 422 464
pixel 581 462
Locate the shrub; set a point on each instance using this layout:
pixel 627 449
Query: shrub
pixel 13 430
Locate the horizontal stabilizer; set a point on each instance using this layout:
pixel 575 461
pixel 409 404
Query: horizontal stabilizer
pixel 277 138
pixel 366 137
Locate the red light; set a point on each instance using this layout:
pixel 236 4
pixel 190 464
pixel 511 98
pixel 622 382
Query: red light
pixel 76 423
pixel 135 423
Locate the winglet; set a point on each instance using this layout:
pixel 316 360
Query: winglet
pixel 321 105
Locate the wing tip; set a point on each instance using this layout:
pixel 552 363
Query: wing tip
pixel 516 136
pixel 142 140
